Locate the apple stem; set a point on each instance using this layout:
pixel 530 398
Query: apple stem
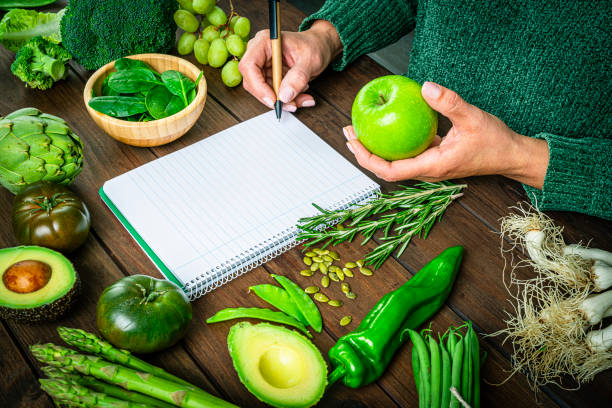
pixel 382 99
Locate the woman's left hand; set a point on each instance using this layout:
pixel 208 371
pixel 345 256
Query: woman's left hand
pixel 477 144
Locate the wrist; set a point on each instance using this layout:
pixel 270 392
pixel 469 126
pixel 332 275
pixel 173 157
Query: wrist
pixel 529 161
pixel 328 36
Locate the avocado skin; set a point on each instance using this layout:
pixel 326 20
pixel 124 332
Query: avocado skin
pixel 48 312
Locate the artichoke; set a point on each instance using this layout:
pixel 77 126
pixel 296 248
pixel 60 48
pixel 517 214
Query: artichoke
pixel 36 146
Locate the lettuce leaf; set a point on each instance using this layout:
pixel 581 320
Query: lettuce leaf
pixel 18 26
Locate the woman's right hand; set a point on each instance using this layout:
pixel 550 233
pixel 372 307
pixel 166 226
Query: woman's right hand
pixel 305 55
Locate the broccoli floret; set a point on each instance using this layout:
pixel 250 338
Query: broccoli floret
pixel 97 32
pixel 39 63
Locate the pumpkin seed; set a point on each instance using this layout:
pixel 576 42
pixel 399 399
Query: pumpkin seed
pixel 345 287
pixel 307 261
pixel 333 276
pixel 346 320
pixel 359 263
pixel 323 268
pixel 348 272
pixel 365 271
pixel 310 254
pixel 321 297
pixel 317 259
pixel 314 266
pixel 340 275
pixel 334 255
pixel 306 272
pixel 317 251
pixel 328 264
pixel 328 258
pixel 325 281
pixel 311 289
pixel 351 295
pixel 350 265
pixel 335 303
pixel 324 251
pixel 334 268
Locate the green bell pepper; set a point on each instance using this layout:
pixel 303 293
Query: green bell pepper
pixel 361 357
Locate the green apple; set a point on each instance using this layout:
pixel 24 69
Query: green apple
pixel 391 118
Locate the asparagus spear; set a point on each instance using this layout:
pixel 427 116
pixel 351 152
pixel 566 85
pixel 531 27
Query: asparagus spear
pixel 90 343
pixel 102 387
pixel 65 392
pixel 130 379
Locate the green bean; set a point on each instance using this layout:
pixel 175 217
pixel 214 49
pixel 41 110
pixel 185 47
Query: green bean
pixel 280 299
pixel 416 371
pixel 446 377
pixel 466 368
pixel 476 370
pixel 307 307
pixel 257 313
pixel 456 371
pixel 451 342
pixel 434 352
pixel 419 345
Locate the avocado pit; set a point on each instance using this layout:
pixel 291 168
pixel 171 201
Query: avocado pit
pixel 281 367
pixel 26 276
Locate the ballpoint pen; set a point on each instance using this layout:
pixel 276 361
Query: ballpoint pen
pixel 277 58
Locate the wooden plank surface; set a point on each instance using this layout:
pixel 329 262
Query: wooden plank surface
pixel 202 357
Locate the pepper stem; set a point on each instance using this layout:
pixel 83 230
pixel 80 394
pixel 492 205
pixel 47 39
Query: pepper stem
pixel 337 374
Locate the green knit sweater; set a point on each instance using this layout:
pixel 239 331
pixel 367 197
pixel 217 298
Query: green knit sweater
pixel 543 67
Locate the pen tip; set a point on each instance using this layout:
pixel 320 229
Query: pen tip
pixel 278 107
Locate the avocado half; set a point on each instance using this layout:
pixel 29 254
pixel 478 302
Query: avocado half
pixel 37 284
pixel 277 365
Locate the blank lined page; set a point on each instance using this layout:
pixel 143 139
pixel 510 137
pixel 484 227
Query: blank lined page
pixel 229 200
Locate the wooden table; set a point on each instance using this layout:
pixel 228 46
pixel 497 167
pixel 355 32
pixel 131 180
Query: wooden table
pixel 202 358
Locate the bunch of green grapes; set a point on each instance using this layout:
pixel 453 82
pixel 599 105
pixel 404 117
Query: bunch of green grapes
pixel 214 38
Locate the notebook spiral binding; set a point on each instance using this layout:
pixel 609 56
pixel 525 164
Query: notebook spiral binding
pixel 263 252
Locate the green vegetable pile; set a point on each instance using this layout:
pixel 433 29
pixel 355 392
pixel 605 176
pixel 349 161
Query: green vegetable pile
pixel 446 373
pixel 96 34
pixel 138 93
pixel 110 377
pixel 40 63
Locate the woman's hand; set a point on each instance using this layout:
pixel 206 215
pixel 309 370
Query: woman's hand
pixel 477 144
pixel 305 55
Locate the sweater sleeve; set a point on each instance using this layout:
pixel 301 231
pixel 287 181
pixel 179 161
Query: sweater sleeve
pixel 365 26
pixel 578 178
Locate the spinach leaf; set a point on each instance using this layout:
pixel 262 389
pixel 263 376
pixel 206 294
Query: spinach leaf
pixel 191 96
pixel 178 84
pixel 162 103
pixel 118 106
pixel 133 81
pixel 123 64
pixel 105 89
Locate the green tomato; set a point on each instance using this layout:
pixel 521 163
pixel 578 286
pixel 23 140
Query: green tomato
pixel 217 16
pixel 143 314
pixel 230 74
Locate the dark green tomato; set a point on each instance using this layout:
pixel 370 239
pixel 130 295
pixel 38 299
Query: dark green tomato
pixel 50 215
pixel 143 314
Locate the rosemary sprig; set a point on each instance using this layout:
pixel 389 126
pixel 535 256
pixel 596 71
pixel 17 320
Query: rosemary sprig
pixel 401 215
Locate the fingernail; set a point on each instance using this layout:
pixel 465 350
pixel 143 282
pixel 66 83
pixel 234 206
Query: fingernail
pixel 286 95
pixel 289 108
pixel 348 135
pixel 348 145
pixel 431 90
pixel 268 102
pixel 308 103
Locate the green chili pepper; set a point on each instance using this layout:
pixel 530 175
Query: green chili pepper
pixel 257 313
pixel 361 356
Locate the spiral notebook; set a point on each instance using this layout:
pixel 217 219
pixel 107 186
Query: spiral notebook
pixel 213 210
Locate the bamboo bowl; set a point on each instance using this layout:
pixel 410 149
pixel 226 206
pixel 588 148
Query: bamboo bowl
pixel 156 132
